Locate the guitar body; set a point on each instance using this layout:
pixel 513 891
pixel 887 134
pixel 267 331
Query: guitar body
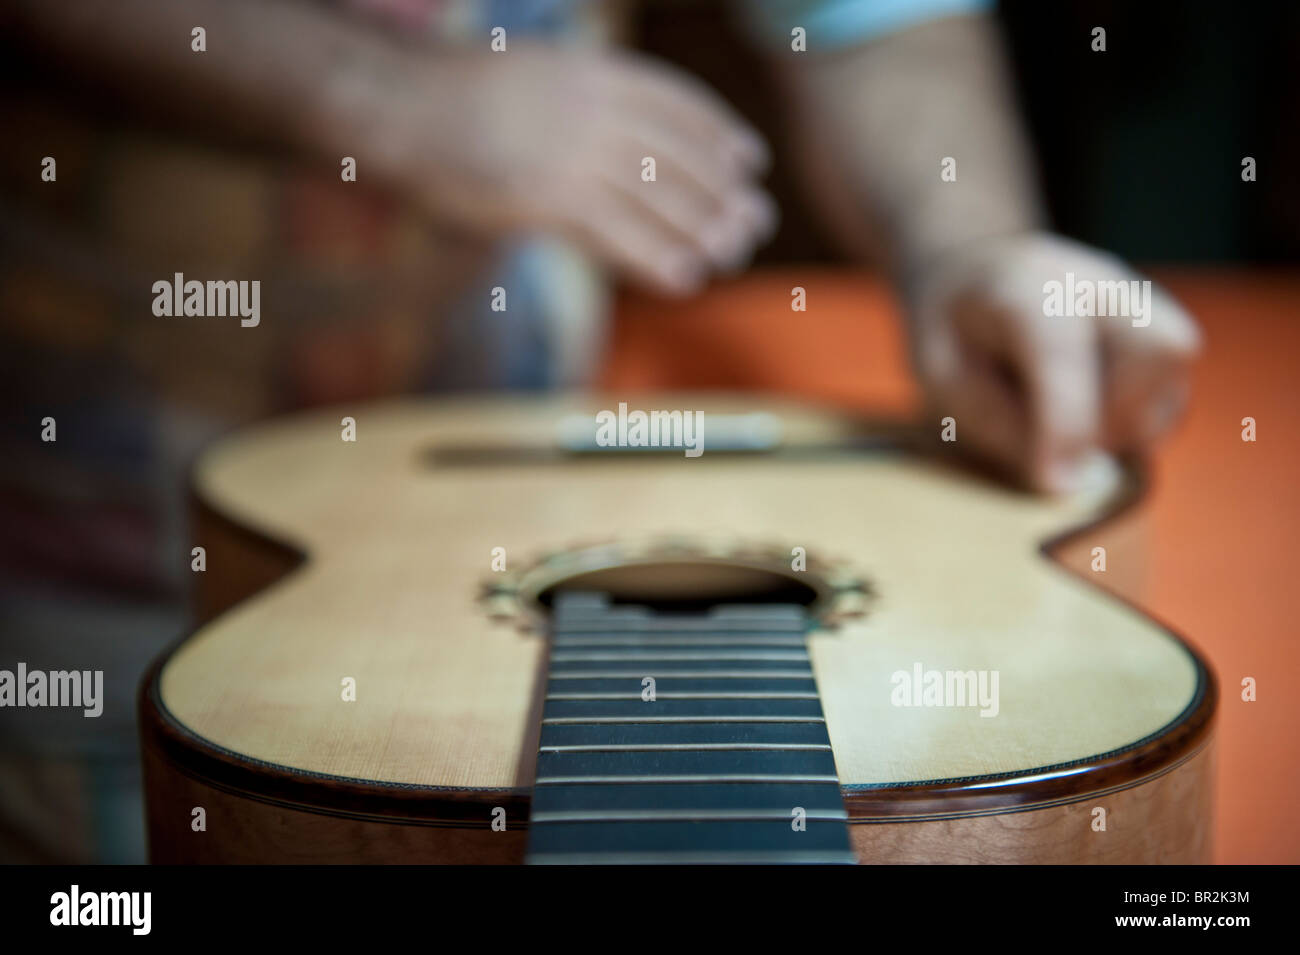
pixel 369 681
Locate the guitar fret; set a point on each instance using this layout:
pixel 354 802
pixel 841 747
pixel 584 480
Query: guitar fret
pixel 698 733
pixel 687 627
pixel 636 720
pixel 694 797
pixel 697 778
pixel 683 747
pixel 628 707
pixel 674 840
pixel 669 815
pixel 679 674
pixel 633 695
pixel 675 762
pixel 708 655
pixel 731 748
pixel 704 640
pixel 599 608
pixel 670 687
pixel 785 613
pixel 738 857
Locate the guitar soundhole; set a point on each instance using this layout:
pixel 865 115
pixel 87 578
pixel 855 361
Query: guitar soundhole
pixel 677 576
pixel 687 586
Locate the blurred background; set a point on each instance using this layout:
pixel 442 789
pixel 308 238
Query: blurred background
pixel 1139 153
pixel 1127 142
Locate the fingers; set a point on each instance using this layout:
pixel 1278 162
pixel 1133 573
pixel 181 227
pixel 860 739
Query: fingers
pixel 1061 366
pixel 701 211
pixel 1041 389
pixel 1026 391
pixel 706 160
pixel 559 143
pixel 654 234
pixel 638 246
pixel 671 97
pixel 1147 374
pixel 720 219
pixel 991 417
pixel 958 359
pixel 699 191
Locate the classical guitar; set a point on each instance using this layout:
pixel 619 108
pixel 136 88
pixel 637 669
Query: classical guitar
pixel 507 631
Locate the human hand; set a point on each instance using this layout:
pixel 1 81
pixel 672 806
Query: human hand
pixel 543 138
pixel 1036 392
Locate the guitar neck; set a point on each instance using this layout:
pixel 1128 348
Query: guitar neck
pixel 683 738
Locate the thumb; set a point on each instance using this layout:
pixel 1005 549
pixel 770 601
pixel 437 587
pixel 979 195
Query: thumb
pixel 1060 367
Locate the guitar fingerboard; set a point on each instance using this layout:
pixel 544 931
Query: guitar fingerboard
pixel 683 738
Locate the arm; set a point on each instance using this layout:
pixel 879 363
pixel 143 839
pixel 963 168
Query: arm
pixel 879 117
pixel 1035 394
pixel 281 72
pixel 538 138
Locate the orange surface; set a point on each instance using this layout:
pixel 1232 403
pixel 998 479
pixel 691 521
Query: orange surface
pixel 1221 518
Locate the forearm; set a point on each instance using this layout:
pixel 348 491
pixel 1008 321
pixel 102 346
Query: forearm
pixel 291 73
pixel 884 115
